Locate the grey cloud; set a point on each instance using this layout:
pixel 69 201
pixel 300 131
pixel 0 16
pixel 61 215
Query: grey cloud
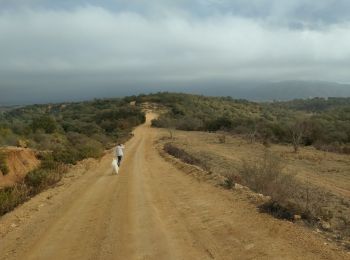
pixel 292 13
pixel 91 46
pixel 94 39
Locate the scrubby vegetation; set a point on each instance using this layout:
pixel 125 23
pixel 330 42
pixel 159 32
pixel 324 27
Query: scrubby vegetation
pixel 64 134
pixel 10 197
pixel 72 131
pixel 265 175
pixel 182 155
pixel 323 123
pixel 3 164
pixel 310 187
pixel 49 173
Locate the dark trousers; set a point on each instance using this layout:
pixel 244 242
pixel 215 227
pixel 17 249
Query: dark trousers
pixel 119 159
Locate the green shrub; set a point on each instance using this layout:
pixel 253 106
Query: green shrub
pixel 36 178
pixel 90 148
pixel 68 155
pixel 10 140
pixel 48 163
pixel 40 179
pixel 10 197
pixel 46 123
pixel 3 164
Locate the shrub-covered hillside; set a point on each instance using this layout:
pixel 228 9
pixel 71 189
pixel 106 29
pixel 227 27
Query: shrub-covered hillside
pixel 324 123
pixel 73 131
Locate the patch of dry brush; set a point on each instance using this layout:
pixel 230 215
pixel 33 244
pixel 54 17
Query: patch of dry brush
pixel 290 198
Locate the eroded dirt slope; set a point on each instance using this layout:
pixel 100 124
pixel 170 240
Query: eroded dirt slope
pixel 19 161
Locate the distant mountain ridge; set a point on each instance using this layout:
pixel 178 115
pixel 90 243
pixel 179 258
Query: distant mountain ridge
pixel 300 89
pixel 282 91
pixel 250 90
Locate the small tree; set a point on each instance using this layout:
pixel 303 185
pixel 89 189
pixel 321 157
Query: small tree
pixel 266 175
pixel 297 132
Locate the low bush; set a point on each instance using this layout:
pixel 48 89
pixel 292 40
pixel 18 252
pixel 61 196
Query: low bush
pixel 230 180
pixel 10 197
pixel 181 154
pixel 39 179
pixel 7 137
pixel 46 123
pixel 3 164
pixel 277 210
pixel 68 155
pixel 90 149
pixel 334 147
pixel 184 156
pixel 266 176
pixel 289 197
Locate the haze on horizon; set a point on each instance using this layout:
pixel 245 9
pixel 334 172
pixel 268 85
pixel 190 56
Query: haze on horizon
pixel 72 50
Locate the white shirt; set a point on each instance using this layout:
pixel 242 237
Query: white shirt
pixel 119 150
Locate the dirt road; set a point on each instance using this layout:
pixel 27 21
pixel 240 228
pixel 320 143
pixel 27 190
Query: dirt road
pixel 151 210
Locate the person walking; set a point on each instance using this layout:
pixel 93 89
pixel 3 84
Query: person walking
pixel 120 152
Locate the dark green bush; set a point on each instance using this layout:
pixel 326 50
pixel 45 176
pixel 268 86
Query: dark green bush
pixel 91 148
pixel 68 155
pixel 36 178
pixel 46 123
pixel 184 156
pixel 3 164
pixel 40 179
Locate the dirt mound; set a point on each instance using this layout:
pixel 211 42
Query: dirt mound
pixel 19 161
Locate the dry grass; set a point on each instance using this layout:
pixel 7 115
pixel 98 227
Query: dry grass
pixel 315 184
pixel 10 197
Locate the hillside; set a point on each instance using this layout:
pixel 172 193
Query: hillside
pixel 323 123
pixel 72 130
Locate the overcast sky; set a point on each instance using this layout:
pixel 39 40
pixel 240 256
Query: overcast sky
pixel 56 50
